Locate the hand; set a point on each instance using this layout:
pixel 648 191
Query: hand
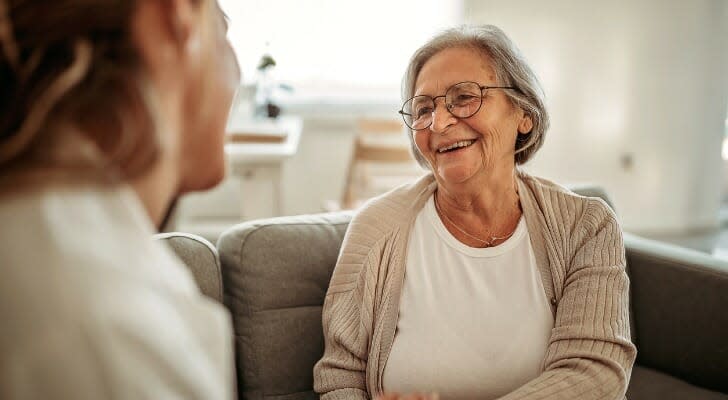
pixel 411 396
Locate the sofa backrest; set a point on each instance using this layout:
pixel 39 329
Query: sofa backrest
pixel 276 273
pixel 201 258
pixel 680 302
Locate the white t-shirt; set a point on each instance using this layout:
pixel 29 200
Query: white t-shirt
pixel 473 323
pixel 92 308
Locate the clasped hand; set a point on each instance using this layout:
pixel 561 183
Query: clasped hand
pixel 410 396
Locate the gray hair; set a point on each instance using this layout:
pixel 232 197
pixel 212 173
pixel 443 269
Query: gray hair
pixel 510 68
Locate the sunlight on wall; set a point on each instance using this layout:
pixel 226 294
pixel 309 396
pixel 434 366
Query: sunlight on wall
pixel 725 142
pixel 632 87
pixel 343 43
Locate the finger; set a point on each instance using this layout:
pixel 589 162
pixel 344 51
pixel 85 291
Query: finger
pixel 388 396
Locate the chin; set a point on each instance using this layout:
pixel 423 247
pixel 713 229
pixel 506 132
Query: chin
pixel 456 175
pixel 203 179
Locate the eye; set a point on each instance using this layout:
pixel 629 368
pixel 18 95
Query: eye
pixel 422 111
pixel 464 98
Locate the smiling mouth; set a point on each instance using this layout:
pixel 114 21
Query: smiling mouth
pixel 456 146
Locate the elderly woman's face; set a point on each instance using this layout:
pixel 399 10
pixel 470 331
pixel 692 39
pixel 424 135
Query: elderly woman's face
pixel 487 138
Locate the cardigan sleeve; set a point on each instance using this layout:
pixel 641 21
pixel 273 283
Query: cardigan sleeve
pixel 341 373
pixel 590 355
pixel 348 317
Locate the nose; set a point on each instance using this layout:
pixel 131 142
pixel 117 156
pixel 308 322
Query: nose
pixel 441 118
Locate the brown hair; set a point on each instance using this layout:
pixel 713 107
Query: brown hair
pixel 72 96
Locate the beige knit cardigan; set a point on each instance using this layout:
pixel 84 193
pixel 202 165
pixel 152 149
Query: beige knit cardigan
pixel 578 246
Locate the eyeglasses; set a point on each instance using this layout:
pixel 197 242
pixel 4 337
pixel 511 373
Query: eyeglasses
pixel 462 100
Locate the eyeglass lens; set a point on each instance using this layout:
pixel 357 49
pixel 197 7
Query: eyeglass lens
pixel 462 100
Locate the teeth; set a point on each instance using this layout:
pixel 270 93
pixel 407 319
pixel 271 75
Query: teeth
pixel 462 143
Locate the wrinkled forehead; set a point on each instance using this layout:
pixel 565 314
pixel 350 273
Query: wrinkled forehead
pixel 451 66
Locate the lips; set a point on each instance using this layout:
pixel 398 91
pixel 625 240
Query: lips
pixel 454 146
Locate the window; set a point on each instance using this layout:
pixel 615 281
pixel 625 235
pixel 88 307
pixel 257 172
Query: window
pixel 335 45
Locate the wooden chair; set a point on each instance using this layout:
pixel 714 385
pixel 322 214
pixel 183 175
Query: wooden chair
pixel 381 160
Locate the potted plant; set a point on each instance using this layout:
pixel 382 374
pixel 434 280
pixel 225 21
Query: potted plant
pixel 265 105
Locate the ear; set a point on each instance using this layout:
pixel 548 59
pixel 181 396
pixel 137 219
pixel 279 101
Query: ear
pixel 179 19
pixel 166 32
pixel 165 24
pixel 526 124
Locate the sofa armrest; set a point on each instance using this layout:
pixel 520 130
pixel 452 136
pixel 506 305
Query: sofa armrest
pixel 276 274
pixel 201 258
pixel 680 304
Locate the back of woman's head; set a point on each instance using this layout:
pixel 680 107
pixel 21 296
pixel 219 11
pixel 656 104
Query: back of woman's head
pixel 71 97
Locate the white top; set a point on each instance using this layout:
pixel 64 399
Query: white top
pixel 92 308
pixel 473 323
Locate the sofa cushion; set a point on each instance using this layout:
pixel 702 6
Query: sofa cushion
pixel 275 275
pixel 648 384
pixel 680 302
pixel 201 258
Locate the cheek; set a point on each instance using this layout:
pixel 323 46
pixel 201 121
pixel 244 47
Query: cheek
pixel 422 141
pixel 497 135
pixel 220 78
pixel 228 72
pixel 207 113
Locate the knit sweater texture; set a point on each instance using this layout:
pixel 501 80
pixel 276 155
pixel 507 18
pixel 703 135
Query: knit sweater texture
pixel 578 246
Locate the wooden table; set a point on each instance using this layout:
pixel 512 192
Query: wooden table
pixel 257 149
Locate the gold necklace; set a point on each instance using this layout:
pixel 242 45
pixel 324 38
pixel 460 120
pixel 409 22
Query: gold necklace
pixel 487 243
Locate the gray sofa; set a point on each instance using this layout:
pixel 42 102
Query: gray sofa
pixel 275 273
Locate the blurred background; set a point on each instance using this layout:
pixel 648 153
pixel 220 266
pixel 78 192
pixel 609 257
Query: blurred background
pixel 637 90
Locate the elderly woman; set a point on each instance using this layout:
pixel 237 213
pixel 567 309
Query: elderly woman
pixel 478 281
pixel 109 109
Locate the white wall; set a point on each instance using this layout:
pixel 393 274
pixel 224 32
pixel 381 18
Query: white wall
pixel 313 176
pixel 317 172
pixel 637 91
pixel 629 82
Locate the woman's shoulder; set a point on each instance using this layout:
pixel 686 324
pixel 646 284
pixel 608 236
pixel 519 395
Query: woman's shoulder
pixel 79 257
pixel 86 234
pixel 542 185
pixel 559 200
pixel 398 206
pixel 376 223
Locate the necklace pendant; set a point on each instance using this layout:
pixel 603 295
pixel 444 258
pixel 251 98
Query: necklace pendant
pixel 487 243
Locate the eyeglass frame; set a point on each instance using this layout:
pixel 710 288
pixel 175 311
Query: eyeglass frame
pixel 448 106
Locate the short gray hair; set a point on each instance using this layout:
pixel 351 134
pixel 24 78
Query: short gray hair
pixel 510 68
